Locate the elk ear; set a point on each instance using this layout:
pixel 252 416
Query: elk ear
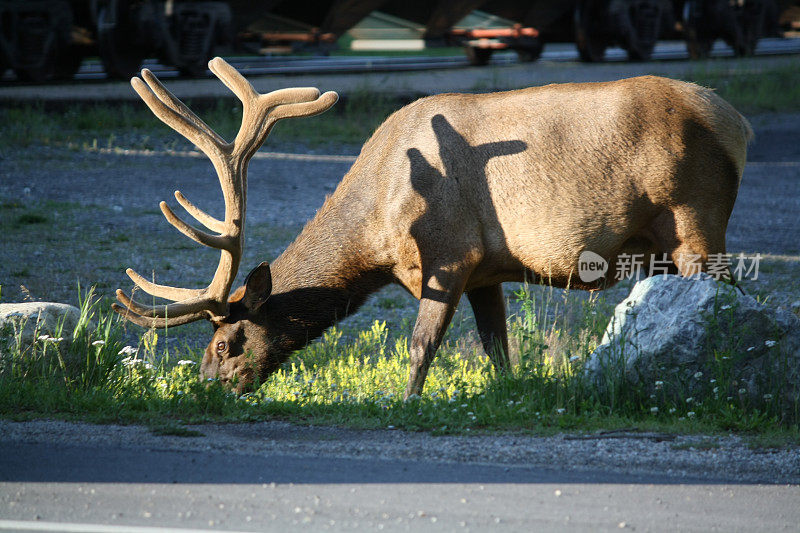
pixel 257 287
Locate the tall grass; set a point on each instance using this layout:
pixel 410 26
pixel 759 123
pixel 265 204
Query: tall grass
pixel 356 378
pixel 132 125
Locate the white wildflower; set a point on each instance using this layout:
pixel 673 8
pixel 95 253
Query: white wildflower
pixel 574 358
pixel 716 390
pixel 470 413
pixel 724 307
pixel 561 411
pixel 389 427
pixel 659 385
pixel 750 349
pixel 464 405
pixel 742 391
pixel 130 361
pixel 712 381
pixel 42 337
pixel 691 414
pixel 184 362
pixel 767 397
pixel 98 343
pixel 654 410
pixel 690 399
pixel 770 344
pixel 672 410
pixel 698 375
pixel 127 350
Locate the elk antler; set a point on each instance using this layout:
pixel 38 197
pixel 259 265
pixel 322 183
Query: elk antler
pixel 230 160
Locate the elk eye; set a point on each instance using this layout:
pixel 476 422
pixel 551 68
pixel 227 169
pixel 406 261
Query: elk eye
pixel 221 345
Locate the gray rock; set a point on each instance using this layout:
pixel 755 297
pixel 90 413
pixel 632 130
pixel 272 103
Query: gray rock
pixel 684 333
pixel 29 320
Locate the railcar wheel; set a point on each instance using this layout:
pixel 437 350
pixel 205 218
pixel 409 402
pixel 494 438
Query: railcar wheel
pixel 120 51
pixel 590 30
pixel 639 26
pixel 531 51
pixel 698 28
pixel 478 57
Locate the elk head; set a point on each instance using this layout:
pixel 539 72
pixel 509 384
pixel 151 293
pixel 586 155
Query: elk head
pixel 241 332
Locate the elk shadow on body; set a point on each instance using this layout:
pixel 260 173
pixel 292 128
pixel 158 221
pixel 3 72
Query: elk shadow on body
pixel 461 193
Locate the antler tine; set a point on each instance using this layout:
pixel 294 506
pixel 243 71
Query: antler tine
pixel 162 291
pixel 233 80
pixel 201 216
pixel 306 109
pixel 169 99
pixel 180 123
pixel 149 322
pixel 220 242
pixel 186 307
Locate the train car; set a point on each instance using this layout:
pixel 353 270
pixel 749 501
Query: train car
pixel 43 40
pixel 47 39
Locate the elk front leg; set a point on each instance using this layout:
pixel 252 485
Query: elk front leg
pixel 436 308
pixel 489 307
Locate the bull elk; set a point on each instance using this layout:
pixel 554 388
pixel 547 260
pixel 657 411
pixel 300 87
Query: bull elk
pixel 455 193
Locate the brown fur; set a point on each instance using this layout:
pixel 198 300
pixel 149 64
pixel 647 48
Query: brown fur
pixel 461 192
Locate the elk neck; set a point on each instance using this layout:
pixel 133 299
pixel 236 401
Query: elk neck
pixel 328 272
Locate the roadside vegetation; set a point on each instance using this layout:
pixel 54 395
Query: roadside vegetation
pixel 356 377
pixel 105 125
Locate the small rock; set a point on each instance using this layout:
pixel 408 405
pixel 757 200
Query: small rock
pixel 668 330
pixel 38 318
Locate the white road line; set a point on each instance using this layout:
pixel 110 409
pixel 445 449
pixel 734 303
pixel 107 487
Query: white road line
pixel 25 525
pixel 257 155
pixel 330 158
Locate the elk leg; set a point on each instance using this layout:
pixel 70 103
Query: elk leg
pixel 489 308
pixel 436 308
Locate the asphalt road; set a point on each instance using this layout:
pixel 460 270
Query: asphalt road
pixel 56 488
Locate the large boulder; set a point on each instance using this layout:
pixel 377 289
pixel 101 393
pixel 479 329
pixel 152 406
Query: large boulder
pixel 25 322
pixel 695 336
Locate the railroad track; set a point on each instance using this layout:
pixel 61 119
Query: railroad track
pixel 558 52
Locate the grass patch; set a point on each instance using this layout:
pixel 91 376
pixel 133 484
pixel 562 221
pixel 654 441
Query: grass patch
pixel 356 379
pixel 776 89
pixel 30 218
pixel 133 126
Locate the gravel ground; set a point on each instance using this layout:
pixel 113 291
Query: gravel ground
pixel 716 459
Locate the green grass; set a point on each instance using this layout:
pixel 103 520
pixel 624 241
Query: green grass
pixel 776 89
pixel 356 379
pixel 351 121
pixel 133 126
